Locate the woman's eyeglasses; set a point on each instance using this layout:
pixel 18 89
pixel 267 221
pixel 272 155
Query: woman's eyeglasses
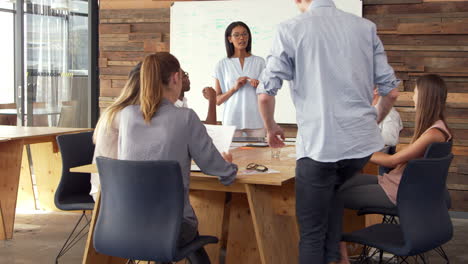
pixel 237 35
pixel 257 167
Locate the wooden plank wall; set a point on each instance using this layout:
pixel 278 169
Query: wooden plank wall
pixel 427 36
pixel 420 36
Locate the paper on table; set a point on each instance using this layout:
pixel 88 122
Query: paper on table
pixel 221 136
pixel 195 168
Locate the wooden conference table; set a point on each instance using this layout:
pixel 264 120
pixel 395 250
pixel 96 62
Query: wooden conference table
pixel 257 225
pixel 12 141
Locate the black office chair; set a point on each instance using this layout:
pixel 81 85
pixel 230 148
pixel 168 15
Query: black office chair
pixel 425 223
pixel 141 211
pixel 73 190
pixel 390 215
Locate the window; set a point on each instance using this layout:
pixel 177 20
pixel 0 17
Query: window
pixel 78 45
pixel 7 67
pixel 6 5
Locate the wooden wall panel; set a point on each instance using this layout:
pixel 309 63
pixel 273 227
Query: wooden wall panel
pixel 420 37
pixel 429 36
pixel 129 30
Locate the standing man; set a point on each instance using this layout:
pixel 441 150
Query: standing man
pixel 333 60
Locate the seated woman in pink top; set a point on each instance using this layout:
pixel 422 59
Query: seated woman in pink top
pixel 364 191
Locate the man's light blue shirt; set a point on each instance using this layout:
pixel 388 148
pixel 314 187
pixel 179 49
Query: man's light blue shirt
pixel 333 61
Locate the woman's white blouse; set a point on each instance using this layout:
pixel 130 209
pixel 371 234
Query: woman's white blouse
pixel 241 109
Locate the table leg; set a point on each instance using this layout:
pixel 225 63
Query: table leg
pixel 26 199
pixel 209 207
pixel 242 243
pixel 10 168
pixel 277 234
pixel 47 166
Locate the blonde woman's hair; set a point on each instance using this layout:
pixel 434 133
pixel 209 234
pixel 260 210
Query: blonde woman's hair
pixel 156 71
pixel 432 97
pixel 130 95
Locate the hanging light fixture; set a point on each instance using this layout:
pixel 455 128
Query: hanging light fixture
pixel 60 5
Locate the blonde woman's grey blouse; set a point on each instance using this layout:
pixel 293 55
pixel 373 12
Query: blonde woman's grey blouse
pixel 173 134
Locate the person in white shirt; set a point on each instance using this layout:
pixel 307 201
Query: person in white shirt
pixel 236 81
pixel 391 126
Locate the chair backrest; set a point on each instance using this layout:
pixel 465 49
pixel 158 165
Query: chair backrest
pixel 438 150
pixel 141 211
pixel 68 114
pixel 9 120
pixel 40 120
pixel 76 150
pixel 422 208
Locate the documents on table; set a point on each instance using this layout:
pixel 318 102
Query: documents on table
pixel 194 168
pixel 221 135
pixel 222 139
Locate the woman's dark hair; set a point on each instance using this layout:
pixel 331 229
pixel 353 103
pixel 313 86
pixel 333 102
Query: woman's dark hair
pixel 227 34
pixel 432 97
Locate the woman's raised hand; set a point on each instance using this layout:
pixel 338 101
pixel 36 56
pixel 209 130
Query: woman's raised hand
pixel 241 81
pixel 254 82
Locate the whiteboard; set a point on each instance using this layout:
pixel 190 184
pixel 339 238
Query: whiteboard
pixel 197 40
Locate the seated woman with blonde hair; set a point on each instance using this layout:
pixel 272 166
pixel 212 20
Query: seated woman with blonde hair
pixel 107 129
pixel 155 129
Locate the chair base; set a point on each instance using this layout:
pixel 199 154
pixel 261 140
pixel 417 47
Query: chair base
pixel 74 237
pixel 197 257
pixel 130 261
pixel 367 256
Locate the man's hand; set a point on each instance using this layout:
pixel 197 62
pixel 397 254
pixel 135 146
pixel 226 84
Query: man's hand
pixel 227 156
pixel 275 136
pixel 209 93
pixel 385 104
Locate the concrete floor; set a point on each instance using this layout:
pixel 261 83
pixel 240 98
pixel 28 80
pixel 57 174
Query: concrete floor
pixel 39 237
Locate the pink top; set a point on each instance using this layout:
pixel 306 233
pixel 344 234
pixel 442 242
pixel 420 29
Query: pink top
pixel 390 181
